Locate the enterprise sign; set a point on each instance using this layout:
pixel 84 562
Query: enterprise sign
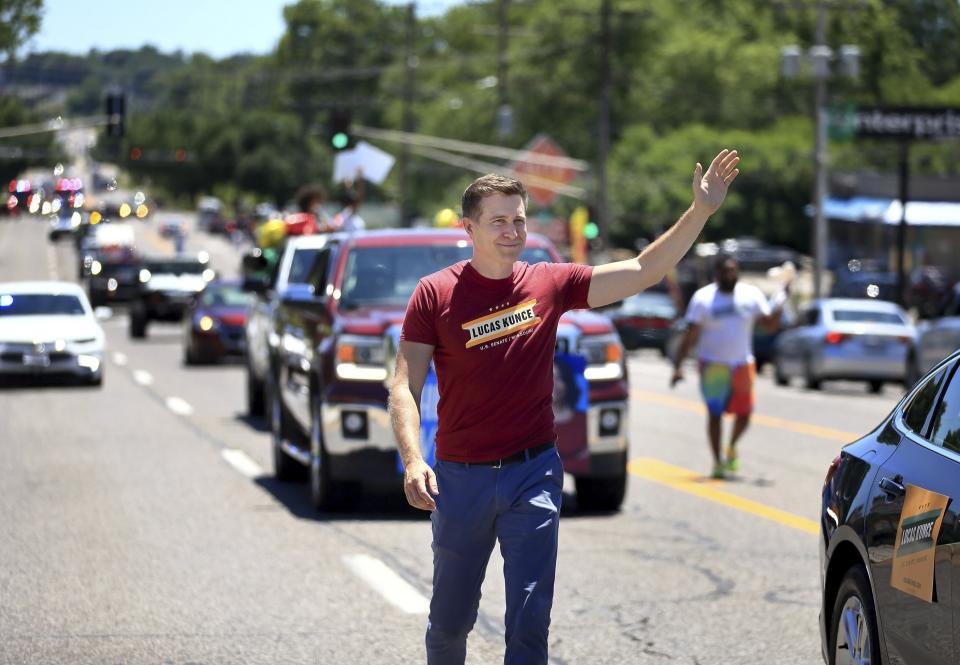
pixel 904 122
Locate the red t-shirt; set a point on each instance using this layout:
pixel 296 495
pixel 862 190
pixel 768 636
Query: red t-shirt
pixel 494 344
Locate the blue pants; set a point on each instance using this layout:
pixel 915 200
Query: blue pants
pixel 519 505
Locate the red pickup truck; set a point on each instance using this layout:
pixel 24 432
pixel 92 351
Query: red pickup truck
pixel 331 344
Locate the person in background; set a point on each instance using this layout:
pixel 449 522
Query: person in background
pixel 721 317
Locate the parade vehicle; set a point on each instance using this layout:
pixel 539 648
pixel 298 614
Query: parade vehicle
pixel 166 288
pixel 215 323
pixel 890 534
pixel 49 329
pixel 330 345
pixel 839 338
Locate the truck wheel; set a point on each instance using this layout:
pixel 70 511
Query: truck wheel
pixel 854 637
pixel 255 400
pixel 285 468
pixel 810 381
pixel 324 493
pixel 138 325
pixel 779 377
pixel 605 494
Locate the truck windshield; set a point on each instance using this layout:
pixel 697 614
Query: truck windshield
pixel 388 275
pixel 175 267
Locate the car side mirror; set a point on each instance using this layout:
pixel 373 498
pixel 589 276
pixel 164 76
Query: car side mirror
pixel 255 284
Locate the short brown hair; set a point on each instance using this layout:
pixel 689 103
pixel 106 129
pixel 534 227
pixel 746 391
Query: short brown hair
pixel 492 183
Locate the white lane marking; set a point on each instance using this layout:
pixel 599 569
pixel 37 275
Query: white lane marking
pixel 179 406
pixel 120 358
pixel 143 377
pixel 387 583
pixel 242 462
pixel 52 263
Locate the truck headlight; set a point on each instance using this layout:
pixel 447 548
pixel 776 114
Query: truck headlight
pixel 604 354
pixel 361 358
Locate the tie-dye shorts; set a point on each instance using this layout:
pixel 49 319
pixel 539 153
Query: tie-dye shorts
pixel 727 388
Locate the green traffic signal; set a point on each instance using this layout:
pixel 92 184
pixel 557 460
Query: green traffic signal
pixel 339 140
pixel 591 231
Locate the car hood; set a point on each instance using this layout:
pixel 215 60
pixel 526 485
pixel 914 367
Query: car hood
pixel 372 320
pixel 588 322
pixel 28 329
pixel 189 283
pixel 375 320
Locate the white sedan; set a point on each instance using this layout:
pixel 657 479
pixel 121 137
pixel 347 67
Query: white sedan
pixel 49 328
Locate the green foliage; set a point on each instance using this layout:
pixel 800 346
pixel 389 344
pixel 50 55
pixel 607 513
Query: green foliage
pixel 689 77
pixel 19 20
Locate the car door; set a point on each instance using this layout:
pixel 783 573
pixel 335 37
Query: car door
pixel 917 630
pixel 305 318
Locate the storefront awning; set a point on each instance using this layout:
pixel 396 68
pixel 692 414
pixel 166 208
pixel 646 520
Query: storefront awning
pixel 889 211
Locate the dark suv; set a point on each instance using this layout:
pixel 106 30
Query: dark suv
pixel 167 286
pixel 331 345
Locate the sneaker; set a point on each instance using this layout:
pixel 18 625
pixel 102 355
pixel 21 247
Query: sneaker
pixel 732 463
pixel 718 472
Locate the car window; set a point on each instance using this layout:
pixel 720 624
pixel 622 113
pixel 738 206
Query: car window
pixel 945 430
pixel 388 275
pixel 225 297
pixel 175 267
pixel 300 265
pixel 811 317
pixel 866 316
pixel 916 412
pixel 39 304
pixel 650 304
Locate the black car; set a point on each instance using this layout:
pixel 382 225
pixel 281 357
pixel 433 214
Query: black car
pixel 889 548
pixel 167 288
pixel 112 277
pixel 214 323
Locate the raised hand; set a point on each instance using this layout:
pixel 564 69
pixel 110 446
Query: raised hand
pixel 710 188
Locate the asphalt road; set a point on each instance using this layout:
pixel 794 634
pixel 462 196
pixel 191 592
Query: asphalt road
pixel 139 523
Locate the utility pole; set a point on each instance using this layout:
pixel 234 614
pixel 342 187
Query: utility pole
pixel 504 112
pixel 820 152
pixel 409 84
pixel 603 126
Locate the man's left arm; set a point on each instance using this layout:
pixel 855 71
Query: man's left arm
pixel 615 281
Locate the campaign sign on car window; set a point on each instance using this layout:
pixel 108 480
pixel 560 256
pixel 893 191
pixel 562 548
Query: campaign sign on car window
pixel 570 402
pixel 915 548
pixel 428 402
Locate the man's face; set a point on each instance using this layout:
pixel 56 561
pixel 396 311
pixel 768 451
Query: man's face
pixel 500 231
pixel 727 275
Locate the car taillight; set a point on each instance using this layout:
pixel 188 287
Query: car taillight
pixel 835 337
pixel 832 471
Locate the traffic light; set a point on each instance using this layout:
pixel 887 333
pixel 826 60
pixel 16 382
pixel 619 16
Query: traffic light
pixel 339 129
pixel 116 111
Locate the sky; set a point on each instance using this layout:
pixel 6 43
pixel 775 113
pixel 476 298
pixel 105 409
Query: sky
pixel 216 27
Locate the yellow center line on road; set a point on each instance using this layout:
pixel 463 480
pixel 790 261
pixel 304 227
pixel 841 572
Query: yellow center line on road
pixel 795 426
pixel 693 483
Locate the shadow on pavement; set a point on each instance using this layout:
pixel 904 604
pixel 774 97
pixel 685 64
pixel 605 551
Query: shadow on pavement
pixel 44 382
pixel 256 423
pixel 374 506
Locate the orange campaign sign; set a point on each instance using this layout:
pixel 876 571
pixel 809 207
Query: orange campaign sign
pixel 541 173
pixel 915 548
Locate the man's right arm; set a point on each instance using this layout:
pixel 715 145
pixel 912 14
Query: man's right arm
pixel 690 339
pixel 413 364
